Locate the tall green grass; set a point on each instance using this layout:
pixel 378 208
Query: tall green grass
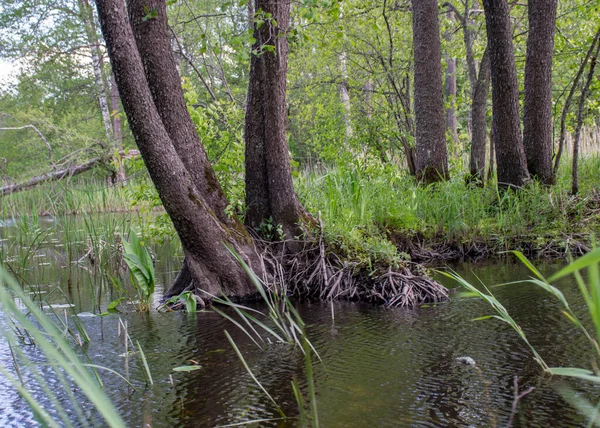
pixel 61 406
pixel 360 206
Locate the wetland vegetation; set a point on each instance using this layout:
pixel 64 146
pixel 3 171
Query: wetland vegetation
pixel 257 212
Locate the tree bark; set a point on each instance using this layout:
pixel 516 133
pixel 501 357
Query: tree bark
pixel 478 118
pixel 202 234
pixel 492 162
pixel 165 86
pixel 269 188
pixel 432 157
pixel 450 91
pixel 537 107
pixel 510 154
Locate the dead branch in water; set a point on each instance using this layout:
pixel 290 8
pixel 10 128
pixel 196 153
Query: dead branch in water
pixel 517 397
pixel 60 174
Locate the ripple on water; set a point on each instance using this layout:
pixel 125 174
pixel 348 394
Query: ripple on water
pixel 380 367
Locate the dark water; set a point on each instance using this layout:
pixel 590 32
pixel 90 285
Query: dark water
pixel 380 367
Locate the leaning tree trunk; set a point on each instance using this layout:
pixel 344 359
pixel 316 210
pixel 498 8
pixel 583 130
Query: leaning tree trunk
pixel 165 86
pixel 510 155
pixel 203 235
pixel 478 118
pixel 537 107
pixel 269 188
pixel 432 157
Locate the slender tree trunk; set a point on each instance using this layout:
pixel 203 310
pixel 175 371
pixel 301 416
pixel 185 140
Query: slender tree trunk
pixel 468 38
pixel 115 102
pixel 367 89
pixel 432 157
pixel 450 92
pixel 466 22
pixel 87 16
pixel 345 97
pixel 510 154
pixel 537 107
pixel 270 192
pixel 212 267
pixel 492 161
pixel 565 111
pixel 582 99
pixel 478 117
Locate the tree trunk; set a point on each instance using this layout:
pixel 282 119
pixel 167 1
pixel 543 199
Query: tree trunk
pixel 565 111
pixel 115 102
pixel 537 107
pixel 345 97
pixel 202 234
pixel 165 86
pixel 63 173
pixel 584 95
pixel 269 188
pixel 87 16
pixel 478 117
pixel 432 157
pixel 510 154
pixel 450 92
pixel 492 162
pixel 51 176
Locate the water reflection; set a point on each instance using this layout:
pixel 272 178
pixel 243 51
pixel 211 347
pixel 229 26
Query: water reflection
pixel 380 367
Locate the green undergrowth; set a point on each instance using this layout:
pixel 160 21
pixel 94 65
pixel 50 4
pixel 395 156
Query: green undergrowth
pixel 362 209
pixel 367 210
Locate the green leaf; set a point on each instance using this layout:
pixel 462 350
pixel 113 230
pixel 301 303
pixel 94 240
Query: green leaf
pixel 527 263
pixel 187 368
pixel 575 372
pixel 112 306
pixel 485 317
pixel 590 258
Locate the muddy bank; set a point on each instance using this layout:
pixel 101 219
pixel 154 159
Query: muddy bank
pixel 437 249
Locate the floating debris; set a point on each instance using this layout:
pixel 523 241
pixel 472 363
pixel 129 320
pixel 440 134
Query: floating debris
pixel 466 361
pixel 86 315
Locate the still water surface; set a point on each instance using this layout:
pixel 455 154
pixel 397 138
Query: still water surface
pixel 380 367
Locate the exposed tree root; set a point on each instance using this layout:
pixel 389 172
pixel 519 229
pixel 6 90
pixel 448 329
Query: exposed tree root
pixel 312 271
pixel 440 249
pixel 315 272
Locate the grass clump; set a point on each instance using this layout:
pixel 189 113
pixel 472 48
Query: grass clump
pixel 364 207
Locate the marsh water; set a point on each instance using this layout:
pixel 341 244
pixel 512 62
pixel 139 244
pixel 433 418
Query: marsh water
pixel 379 367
